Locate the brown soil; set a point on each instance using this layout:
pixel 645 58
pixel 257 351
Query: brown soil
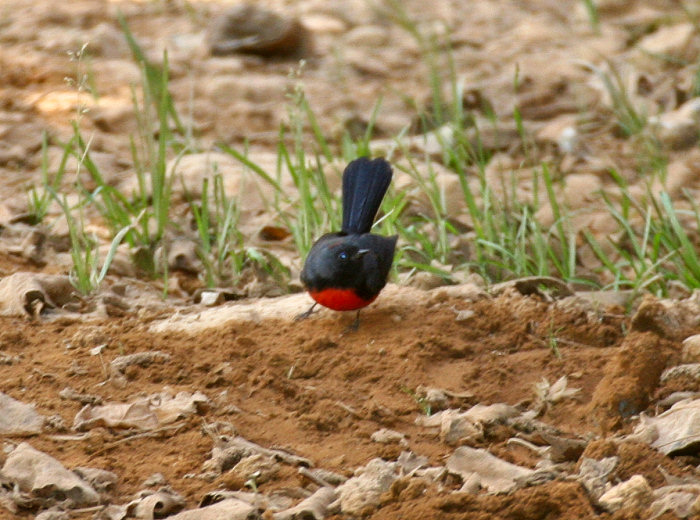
pixel 310 388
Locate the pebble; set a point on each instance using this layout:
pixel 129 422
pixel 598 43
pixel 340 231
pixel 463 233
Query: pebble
pixel 672 40
pixel 634 492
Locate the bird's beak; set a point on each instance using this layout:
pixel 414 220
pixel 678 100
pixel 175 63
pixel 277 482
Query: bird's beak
pixel 360 253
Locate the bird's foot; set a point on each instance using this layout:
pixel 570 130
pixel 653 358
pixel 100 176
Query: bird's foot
pixel 354 325
pixel 305 314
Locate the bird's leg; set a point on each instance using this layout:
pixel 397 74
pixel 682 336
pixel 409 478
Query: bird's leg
pixel 355 324
pixel 305 314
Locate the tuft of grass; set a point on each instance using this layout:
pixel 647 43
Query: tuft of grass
pixel 421 401
pixel 39 197
pixel 150 204
pixel 87 273
pixel 650 255
pixel 629 118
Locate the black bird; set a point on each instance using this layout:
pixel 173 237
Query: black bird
pixel 346 270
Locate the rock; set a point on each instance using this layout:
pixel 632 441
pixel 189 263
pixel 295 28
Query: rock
pixel 100 479
pixel 230 509
pixel 249 29
pixel 316 507
pixel 362 492
pixel 691 349
pixel 18 418
pixel 52 514
pixel 593 474
pixel 632 493
pixel 676 397
pixel 385 436
pixel 409 462
pixel 479 468
pixel 663 317
pixel 182 256
pixel 684 503
pixel 158 504
pixel 687 371
pixel 605 299
pixel 457 426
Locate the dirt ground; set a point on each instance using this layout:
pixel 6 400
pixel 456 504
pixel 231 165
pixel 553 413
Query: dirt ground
pixel 311 388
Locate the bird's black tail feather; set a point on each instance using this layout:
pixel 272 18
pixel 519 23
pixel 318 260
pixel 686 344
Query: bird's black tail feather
pixel 365 182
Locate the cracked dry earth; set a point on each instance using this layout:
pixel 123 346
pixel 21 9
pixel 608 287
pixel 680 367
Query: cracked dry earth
pixel 520 402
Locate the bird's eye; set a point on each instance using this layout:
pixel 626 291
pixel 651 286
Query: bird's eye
pixel 343 255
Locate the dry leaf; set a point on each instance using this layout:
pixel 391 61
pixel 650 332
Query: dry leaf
pixel 31 293
pixel 675 430
pixel 43 476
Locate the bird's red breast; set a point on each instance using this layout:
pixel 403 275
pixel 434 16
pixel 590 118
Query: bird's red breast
pixel 340 299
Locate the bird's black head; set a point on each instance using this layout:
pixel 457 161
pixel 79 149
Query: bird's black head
pixel 344 257
pixel 334 261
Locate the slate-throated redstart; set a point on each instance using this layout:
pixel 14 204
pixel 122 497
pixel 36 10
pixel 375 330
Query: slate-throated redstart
pixel 346 270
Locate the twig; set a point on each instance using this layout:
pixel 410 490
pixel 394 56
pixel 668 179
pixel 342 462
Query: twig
pixel 150 433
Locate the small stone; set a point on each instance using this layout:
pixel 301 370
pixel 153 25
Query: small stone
pixel 156 479
pixel 561 131
pixel 319 23
pixel 258 468
pixel 385 436
pixel 426 281
pixel 372 36
pixel 678 129
pixel 465 315
pixel 672 40
pixel 249 29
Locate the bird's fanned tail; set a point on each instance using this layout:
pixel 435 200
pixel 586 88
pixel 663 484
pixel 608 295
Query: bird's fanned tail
pixel 365 182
